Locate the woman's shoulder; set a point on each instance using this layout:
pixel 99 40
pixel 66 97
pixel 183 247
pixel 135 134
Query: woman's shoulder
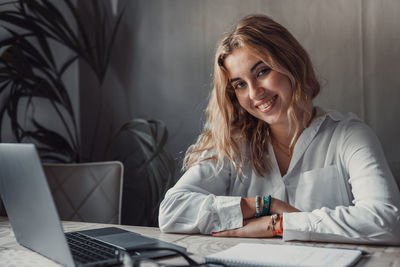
pixel 342 121
pixel 338 116
pixel 350 127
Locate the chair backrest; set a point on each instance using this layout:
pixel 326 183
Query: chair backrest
pixel 87 192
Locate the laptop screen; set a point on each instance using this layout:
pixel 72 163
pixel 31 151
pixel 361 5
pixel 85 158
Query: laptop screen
pixel 29 203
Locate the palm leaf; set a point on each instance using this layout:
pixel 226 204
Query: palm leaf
pixel 52 139
pixel 159 165
pixel 3 49
pixel 8 3
pixel 48 18
pixel 24 74
pixel 112 38
pixel 66 64
pixel 86 49
pixel 23 21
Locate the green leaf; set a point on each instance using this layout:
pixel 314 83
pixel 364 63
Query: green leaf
pixel 3 49
pixel 25 22
pixel 27 49
pixel 68 63
pixel 156 160
pixel 54 21
pixel 51 139
pixel 44 45
pixel 85 50
pixel 8 3
pixel 110 46
pixel 15 57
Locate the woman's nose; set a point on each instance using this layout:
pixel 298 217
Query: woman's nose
pixel 255 90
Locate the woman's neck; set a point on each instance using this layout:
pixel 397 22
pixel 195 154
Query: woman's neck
pixel 283 134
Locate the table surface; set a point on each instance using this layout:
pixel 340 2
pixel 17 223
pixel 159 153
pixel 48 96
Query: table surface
pixel 13 254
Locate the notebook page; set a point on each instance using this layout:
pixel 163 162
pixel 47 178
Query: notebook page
pixel 285 255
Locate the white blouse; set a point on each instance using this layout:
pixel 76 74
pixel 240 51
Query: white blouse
pixel 338 177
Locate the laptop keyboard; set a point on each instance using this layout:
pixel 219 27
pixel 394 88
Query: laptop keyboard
pixel 90 252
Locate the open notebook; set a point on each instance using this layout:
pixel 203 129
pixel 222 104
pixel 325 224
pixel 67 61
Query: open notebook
pixel 245 254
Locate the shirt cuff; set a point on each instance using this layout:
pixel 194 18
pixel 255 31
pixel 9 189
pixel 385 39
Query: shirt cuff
pixel 230 213
pixel 299 225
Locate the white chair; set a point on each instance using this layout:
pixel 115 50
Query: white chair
pixel 87 192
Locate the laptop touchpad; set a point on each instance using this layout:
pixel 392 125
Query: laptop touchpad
pixel 127 240
pixel 120 238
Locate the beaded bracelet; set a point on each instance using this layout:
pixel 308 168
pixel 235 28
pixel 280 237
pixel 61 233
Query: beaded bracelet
pixel 257 215
pixel 266 205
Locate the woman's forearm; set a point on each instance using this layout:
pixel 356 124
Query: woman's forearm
pixel 248 206
pixel 279 206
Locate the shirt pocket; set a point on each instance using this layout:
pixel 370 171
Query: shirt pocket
pixel 318 188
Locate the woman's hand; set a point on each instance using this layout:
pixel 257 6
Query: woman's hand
pixel 258 227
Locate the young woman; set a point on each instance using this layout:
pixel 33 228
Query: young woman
pixel 270 163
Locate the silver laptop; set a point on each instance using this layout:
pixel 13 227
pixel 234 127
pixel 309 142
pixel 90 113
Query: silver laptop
pixel 36 224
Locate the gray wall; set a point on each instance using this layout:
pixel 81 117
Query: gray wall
pixel 163 58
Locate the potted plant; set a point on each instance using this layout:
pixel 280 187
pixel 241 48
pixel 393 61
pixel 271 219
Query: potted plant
pixel 31 76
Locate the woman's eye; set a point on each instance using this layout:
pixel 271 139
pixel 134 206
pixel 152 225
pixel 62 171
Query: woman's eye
pixel 263 72
pixel 239 85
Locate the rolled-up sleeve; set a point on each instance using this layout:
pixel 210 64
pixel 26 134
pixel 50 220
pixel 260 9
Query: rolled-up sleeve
pixel 198 203
pixel 374 216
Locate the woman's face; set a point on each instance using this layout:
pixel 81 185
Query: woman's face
pixel 264 93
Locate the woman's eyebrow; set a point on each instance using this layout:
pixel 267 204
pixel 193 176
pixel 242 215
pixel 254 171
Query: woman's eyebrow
pixel 234 80
pixel 255 66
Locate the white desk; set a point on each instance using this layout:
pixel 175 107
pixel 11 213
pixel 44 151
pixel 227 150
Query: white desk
pixel 199 245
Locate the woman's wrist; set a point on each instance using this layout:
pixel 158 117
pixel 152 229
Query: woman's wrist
pixel 255 207
pixel 279 207
pixel 248 207
pixel 257 204
pixel 266 205
pixel 277 228
pixel 276 206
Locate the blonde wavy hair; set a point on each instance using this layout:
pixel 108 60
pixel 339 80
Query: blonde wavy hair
pixel 228 126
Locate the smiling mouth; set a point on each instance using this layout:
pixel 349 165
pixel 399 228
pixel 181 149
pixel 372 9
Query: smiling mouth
pixel 267 104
